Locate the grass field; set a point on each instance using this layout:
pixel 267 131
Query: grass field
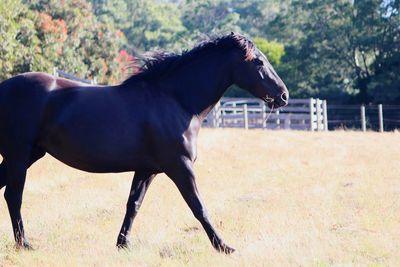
pixel 280 198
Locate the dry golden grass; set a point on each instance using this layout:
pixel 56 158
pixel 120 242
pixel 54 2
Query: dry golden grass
pixel 280 198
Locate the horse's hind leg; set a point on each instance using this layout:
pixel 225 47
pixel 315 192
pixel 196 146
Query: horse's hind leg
pixel 14 171
pixel 183 176
pixel 140 183
pixel 16 174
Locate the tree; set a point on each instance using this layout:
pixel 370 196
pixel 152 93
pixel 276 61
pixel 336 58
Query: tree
pixel 73 39
pixel 18 41
pixel 206 17
pixel 153 25
pixel 255 15
pixel 114 12
pixel 273 50
pixel 384 84
pixel 332 46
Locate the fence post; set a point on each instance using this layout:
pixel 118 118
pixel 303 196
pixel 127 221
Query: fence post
pixel 218 114
pixel 318 108
pixel 211 118
pixel 325 114
pixel 363 121
pixel 287 122
pixel 380 113
pixel 264 115
pixel 311 114
pixel 55 72
pixel 235 121
pixel 278 120
pixel 215 116
pixel 245 117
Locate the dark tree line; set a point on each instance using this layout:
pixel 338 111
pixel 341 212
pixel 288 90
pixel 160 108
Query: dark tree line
pixel 347 51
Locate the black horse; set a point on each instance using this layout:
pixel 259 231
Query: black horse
pixel 148 124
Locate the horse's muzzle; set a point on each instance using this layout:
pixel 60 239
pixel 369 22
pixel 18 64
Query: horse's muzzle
pixel 281 100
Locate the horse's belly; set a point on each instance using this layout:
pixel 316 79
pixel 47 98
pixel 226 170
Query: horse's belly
pixel 98 151
pixel 101 162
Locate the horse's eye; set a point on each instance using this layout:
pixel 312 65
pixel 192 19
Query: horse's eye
pixel 258 62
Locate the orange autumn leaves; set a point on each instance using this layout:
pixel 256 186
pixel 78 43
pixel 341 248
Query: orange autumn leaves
pixel 55 32
pixel 55 27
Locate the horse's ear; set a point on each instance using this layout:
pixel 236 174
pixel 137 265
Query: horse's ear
pixel 236 34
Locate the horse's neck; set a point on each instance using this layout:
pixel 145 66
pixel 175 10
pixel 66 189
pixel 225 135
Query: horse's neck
pixel 200 85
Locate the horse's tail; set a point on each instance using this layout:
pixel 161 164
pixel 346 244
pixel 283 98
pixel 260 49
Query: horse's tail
pixel 2 166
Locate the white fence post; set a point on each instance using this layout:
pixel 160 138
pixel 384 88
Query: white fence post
pixel 325 114
pixel 245 117
pixel 287 122
pixel 214 116
pixel 363 122
pixel 380 113
pixel 235 121
pixel 210 119
pixel 311 104
pixel 318 109
pixel 264 115
pixel 218 114
pixel 278 120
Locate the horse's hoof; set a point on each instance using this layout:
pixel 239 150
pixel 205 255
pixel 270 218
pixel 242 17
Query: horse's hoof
pixel 225 249
pixel 25 246
pixel 123 245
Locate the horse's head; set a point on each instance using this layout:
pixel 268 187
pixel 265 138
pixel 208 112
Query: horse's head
pixel 255 74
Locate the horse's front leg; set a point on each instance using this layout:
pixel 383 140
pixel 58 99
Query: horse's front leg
pixel 183 176
pixel 140 184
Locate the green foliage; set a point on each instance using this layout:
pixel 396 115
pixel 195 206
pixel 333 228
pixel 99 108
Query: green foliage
pixel 153 25
pixel 273 50
pixel 17 38
pixel 335 49
pixel 112 12
pixel 209 17
pixel 256 15
pixel 73 39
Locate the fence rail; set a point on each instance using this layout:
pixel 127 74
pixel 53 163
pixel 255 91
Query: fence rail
pixel 300 114
pixel 365 117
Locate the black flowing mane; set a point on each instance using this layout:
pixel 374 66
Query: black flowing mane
pixel 162 63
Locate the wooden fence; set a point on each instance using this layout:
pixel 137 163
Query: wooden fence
pixel 300 114
pixel 370 117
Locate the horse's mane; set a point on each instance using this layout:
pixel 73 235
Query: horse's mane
pixel 161 63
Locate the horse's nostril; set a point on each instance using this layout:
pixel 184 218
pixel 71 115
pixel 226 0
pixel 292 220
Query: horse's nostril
pixel 284 97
